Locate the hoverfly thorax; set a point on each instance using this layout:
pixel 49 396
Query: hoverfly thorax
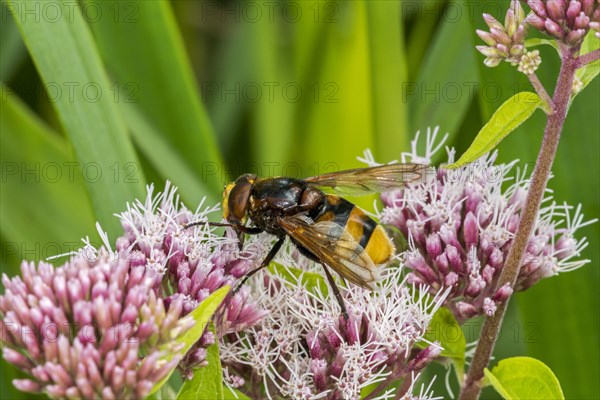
pixel 235 198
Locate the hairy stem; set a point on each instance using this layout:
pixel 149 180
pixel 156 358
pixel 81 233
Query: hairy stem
pixel 588 58
pixel 554 124
pixel 541 91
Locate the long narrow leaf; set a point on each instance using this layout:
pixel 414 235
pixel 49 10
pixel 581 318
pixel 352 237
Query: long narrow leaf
pixel 143 50
pixel 44 207
pixel 337 124
pixel 66 58
pixel 445 86
pixel 388 77
pixel 13 50
pixel 165 158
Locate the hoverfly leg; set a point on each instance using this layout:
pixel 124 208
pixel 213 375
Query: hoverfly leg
pixel 336 291
pixel 276 247
pixel 239 228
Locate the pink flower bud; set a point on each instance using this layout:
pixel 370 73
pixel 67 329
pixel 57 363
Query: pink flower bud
pixel 554 29
pixel 488 38
pixel 573 12
pixel 318 367
pixel 489 307
pixel 451 279
pixel 538 7
pixel 27 385
pixel 581 22
pixel 434 246
pixel 536 21
pixel 454 259
pixel 424 357
pixel 503 293
pixel 442 263
pixel 501 36
pixel 466 310
pixel 470 230
pixel 488 274
pixel 576 36
pixel 492 22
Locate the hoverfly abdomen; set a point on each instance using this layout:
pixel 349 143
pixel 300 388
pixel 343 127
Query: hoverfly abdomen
pixel 365 231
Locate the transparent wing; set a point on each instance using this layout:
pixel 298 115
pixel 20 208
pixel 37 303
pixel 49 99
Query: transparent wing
pixel 335 247
pixel 363 181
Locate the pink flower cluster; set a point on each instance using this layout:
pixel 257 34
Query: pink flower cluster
pixel 459 225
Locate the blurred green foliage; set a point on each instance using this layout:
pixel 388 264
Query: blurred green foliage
pixel 107 96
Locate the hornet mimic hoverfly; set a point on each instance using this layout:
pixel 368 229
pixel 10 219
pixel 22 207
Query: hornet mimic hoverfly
pixel 326 228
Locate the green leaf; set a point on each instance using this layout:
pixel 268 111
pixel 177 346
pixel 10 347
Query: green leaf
pixel 233 394
pixel 166 392
pixel 46 170
pixel 587 73
pixel 13 50
pixel 270 115
pixel 445 330
pixel 67 59
pixel 506 119
pixel 524 378
pixel 312 281
pixel 142 47
pixel 202 314
pixel 336 107
pixel 443 91
pixel 207 382
pixel 165 158
pixel 534 42
pixel 388 76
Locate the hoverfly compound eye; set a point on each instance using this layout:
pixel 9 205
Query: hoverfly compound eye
pixel 237 198
pixel 226 191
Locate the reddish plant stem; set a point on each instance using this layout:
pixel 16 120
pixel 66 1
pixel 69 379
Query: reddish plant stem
pixel 540 90
pixel 554 124
pixel 588 58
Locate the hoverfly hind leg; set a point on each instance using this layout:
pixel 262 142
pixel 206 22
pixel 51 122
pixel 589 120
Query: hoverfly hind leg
pixel 336 292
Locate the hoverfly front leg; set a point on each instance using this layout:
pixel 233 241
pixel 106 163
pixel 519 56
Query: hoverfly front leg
pixel 276 247
pixel 240 228
pixel 336 292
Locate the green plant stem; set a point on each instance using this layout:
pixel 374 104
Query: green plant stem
pixel 554 124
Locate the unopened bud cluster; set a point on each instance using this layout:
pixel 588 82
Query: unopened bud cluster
pixel 504 42
pixel 89 329
pixel 566 21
